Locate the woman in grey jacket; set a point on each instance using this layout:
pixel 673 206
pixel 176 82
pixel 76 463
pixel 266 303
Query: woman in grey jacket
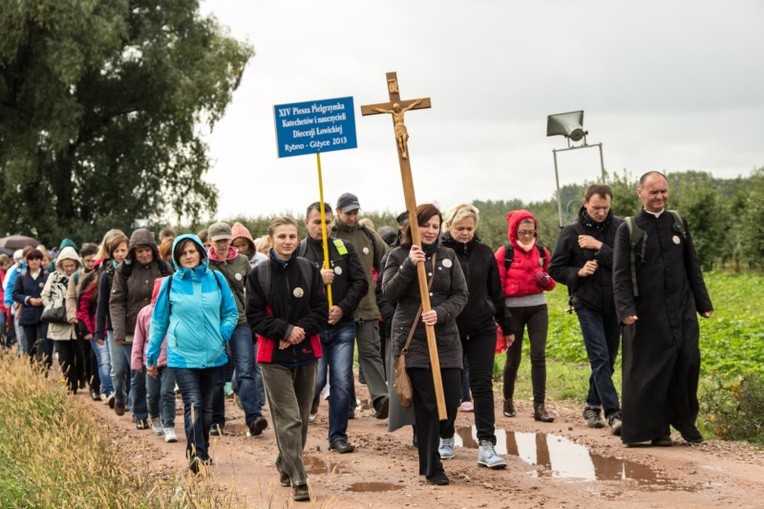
pixel 448 296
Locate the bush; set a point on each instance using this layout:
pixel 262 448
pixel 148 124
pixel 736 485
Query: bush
pixel 735 410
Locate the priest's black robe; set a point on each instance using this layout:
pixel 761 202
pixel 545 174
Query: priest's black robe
pixel 661 354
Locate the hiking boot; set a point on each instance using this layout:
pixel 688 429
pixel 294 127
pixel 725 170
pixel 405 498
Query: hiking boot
pixel 487 456
pixel 615 421
pixel 438 479
pixel 156 426
pixel 446 448
pixel 341 446
pixel 300 493
pixel 141 424
pixel 592 416
pixel 257 426
pixel 169 435
pixel 540 413
pixel 119 408
pixel 664 441
pixel 383 408
pixel 509 408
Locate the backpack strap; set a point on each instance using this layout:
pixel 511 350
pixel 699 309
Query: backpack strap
pixel 678 224
pixel 302 248
pixel 509 255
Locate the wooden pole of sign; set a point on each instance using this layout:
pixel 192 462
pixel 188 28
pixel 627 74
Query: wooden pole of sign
pixel 397 108
pixel 324 234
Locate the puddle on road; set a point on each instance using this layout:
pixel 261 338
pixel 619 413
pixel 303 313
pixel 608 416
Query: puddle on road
pixel 563 458
pixel 318 466
pixel 367 487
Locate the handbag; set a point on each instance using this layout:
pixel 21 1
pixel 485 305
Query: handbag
pixel 54 314
pixel 403 388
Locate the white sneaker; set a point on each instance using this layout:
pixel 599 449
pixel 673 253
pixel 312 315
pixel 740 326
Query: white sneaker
pixel 156 426
pixel 446 448
pixel 169 435
pixel 487 456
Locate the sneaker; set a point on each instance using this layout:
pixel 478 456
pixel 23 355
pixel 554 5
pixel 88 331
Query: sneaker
pixel 467 406
pixel 446 448
pixel 300 493
pixel 487 456
pixel 540 414
pixel 104 397
pixel 439 479
pixel 314 408
pixel 257 426
pixel 592 416
pixel 509 408
pixel 156 426
pixel 95 395
pixel 383 408
pixel 228 389
pixel 119 408
pixel 616 423
pixel 169 435
pixel 141 424
pixel 110 400
pixel 341 446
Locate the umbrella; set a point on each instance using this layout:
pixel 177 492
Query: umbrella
pixel 6 251
pixel 18 242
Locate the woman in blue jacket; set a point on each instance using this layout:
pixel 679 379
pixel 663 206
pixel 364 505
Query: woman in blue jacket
pixel 196 310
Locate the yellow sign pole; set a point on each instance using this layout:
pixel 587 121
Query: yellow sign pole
pixel 324 234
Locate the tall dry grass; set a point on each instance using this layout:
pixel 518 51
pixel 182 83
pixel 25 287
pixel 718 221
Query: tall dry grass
pixel 53 454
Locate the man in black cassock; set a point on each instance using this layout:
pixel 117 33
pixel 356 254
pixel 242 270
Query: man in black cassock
pixel 661 355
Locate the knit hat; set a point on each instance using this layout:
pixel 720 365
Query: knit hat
pixel 238 230
pixel 219 231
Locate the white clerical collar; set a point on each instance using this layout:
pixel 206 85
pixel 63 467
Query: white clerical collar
pixel 656 214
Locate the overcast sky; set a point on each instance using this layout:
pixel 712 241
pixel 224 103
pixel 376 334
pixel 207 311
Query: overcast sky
pixel 667 85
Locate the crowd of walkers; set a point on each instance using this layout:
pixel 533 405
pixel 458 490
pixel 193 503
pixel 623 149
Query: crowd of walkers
pixel 136 319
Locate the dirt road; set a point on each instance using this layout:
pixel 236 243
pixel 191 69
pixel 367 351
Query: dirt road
pixel 563 464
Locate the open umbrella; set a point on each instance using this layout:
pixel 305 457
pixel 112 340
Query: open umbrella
pixel 18 242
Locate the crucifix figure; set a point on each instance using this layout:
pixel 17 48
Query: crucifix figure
pixel 396 107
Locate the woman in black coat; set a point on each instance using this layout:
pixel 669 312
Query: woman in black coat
pixel 27 291
pixel 448 296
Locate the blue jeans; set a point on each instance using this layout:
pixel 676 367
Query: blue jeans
pixel 120 369
pixel 602 335
pixel 160 395
pixel 104 366
pixel 197 386
pixel 337 344
pixel 243 358
pixel 139 406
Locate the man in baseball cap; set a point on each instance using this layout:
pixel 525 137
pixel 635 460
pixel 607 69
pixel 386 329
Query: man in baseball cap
pixel 347 202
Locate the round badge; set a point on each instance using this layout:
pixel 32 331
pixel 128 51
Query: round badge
pixel 298 292
pixel 676 240
pixel 447 263
pixel 42 285
pixel 238 276
pixel 365 250
pixel 338 270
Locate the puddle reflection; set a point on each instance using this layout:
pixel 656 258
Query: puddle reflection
pixel 318 466
pixel 563 458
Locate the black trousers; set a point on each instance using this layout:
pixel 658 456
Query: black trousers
pixel 428 427
pixel 536 319
pixel 68 352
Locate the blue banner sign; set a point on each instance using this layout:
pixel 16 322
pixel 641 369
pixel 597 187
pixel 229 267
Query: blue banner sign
pixel 315 126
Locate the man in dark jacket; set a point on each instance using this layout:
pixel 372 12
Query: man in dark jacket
pixel 131 290
pixel 583 260
pixel 348 283
pixel 661 355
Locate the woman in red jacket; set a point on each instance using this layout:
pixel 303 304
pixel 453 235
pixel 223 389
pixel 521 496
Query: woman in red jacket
pixel 523 266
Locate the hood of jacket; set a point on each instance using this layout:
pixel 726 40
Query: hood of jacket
pixel 67 243
pixel 141 237
pixel 203 259
pixel 155 291
pixel 514 218
pixel 67 253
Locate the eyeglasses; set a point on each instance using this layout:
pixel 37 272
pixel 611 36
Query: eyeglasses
pixel 526 233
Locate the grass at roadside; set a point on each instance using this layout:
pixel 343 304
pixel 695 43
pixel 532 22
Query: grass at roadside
pixel 52 454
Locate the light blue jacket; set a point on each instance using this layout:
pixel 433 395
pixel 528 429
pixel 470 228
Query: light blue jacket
pixel 198 316
pixel 10 280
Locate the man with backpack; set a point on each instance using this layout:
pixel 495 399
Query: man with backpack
pixel 659 290
pixel 583 261
pixel 345 275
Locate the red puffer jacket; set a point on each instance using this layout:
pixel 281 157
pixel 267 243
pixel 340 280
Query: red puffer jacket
pixel 520 279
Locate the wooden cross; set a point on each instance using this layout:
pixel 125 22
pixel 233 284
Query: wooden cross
pixel 397 108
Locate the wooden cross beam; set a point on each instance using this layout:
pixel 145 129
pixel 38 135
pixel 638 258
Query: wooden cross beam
pixel 397 109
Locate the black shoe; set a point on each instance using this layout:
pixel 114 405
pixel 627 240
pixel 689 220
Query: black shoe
pixel 691 435
pixel 119 408
pixel 351 413
pixel 216 430
pixel 383 408
pixel 664 441
pixel 141 424
pixel 509 408
pixel 341 446
pixel 284 480
pixel 95 395
pixel 540 413
pixel 438 479
pixel 257 426
pixel 300 493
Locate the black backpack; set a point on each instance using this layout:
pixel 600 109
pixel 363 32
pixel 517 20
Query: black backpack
pixel 509 254
pixel 264 274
